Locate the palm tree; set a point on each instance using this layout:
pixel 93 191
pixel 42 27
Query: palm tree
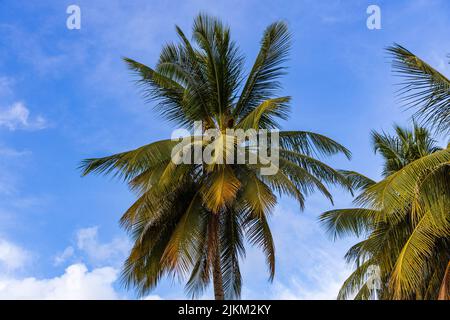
pixel 404 219
pixel 190 219
pixel 424 89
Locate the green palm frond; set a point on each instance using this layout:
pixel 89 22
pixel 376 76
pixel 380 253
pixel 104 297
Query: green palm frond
pixel 262 82
pixel 259 234
pixel 424 88
pixel 263 115
pixel 355 221
pixel 232 245
pixel 128 165
pixel 311 144
pixel 407 275
pixel 357 180
pixel 257 196
pixel 219 189
pixel 400 189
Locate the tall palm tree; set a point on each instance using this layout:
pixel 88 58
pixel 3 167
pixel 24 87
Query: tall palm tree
pixel 424 89
pixel 404 219
pixel 190 219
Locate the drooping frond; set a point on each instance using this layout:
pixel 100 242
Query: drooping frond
pixel 182 248
pixel 151 233
pixel 355 221
pixel 259 234
pixel 232 245
pixel 311 144
pixel 257 196
pixel 219 188
pixel 320 170
pixel 357 180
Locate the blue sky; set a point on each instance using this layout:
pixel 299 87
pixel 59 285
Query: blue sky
pixel 66 95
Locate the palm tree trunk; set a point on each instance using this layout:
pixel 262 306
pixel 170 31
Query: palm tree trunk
pixel 217 277
pixel 216 263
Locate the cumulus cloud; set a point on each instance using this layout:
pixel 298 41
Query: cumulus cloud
pixel 17 116
pixel 76 283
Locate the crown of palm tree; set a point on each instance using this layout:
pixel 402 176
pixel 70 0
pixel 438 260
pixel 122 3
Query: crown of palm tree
pixel 190 220
pixel 404 219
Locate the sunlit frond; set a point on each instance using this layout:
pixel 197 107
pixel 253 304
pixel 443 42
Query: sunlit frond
pixel 219 188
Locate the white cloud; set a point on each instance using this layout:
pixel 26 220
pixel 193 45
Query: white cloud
pixel 313 267
pixel 17 116
pixel 308 265
pixel 321 280
pixel 12 257
pixel 76 283
pixel 100 253
pixel 63 256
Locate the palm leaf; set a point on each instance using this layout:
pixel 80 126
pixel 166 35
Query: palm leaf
pixel 424 88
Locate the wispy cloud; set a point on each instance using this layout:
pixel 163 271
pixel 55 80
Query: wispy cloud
pixel 64 256
pixel 6 84
pixel 17 116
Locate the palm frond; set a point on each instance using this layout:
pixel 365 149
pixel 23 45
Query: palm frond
pixel 262 82
pixel 424 88
pixel 311 144
pixel 262 117
pixel 355 221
